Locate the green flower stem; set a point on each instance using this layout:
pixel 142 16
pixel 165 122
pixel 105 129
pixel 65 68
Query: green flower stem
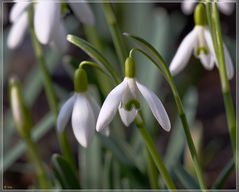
pixel 51 96
pixel 152 172
pixel 37 162
pixel 115 32
pixel 154 153
pixel 214 24
pixel 165 71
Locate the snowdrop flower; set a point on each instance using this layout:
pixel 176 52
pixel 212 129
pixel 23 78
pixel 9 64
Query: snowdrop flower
pixel 224 6
pixel 48 25
pixel 199 42
pixel 124 98
pixel 82 109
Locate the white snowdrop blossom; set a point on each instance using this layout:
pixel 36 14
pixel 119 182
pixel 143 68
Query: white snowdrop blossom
pixel 48 25
pixel 124 98
pixel 225 6
pixel 83 110
pixel 199 42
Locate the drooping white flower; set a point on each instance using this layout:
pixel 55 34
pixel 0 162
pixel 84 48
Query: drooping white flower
pixel 199 42
pixel 48 25
pixel 83 111
pixel 225 6
pixel 124 98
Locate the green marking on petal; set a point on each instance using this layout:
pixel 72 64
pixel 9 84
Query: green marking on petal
pixel 202 50
pixel 132 103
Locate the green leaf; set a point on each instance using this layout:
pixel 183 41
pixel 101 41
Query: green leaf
pixel 39 131
pixel 177 140
pixel 64 173
pixel 186 179
pixel 94 53
pixel 90 162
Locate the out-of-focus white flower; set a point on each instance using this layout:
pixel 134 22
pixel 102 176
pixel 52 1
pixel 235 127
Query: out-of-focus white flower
pixel 48 25
pixel 199 42
pixel 83 110
pixel 225 6
pixel 124 98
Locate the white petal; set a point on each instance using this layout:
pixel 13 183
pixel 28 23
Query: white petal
pixel 46 20
pixel 17 10
pixel 110 106
pixel 131 82
pixel 83 12
pixel 17 32
pixel 127 117
pixel 156 107
pixel 226 7
pixel 209 42
pixel 59 41
pixel 65 113
pixel 228 62
pixel 83 120
pixel 184 52
pixel 206 60
pixel 96 110
pixel 188 6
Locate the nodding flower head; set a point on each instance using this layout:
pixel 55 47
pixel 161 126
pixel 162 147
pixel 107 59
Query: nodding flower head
pixel 126 99
pixel 199 42
pixel 48 25
pixel 83 110
pixel 225 6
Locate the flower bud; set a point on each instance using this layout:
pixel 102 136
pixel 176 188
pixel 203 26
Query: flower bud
pixel 20 111
pixel 200 15
pixel 130 67
pixel 80 80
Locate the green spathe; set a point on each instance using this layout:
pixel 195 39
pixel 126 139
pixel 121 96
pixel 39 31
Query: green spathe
pixel 130 67
pixel 80 80
pixel 200 15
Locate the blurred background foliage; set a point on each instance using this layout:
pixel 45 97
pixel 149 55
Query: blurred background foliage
pixel 120 161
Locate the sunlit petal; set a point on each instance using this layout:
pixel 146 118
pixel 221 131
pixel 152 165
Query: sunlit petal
pixel 188 6
pixel 206 60
pixel 46 20
pixel 17 32
pixel 156 107
pixel 17 10
pixel 83 120
pixel 65 113
pixel 110 106
pixel 184 52
pixel 226 7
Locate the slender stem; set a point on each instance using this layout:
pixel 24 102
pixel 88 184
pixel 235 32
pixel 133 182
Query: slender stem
pixel 50 92
pixel 152 172
pixel 163 68
pixel 96 66
pixel 214 24
pixel 36 160
pixel 154 153
pixel 115 32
